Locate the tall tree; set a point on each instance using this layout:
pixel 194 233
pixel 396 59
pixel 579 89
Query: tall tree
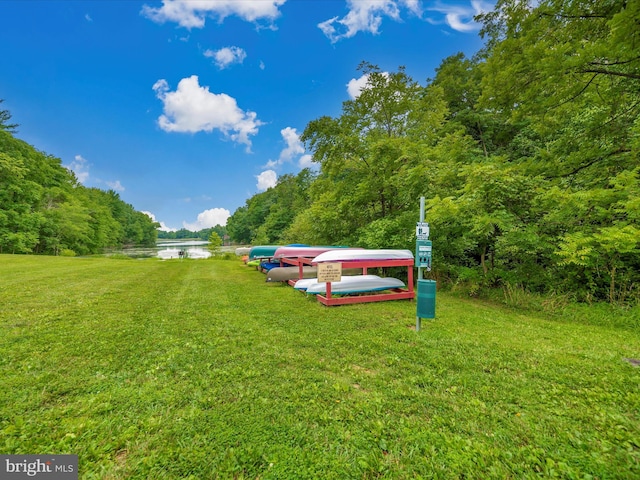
pixel 573 69
pixel 370 154
pixel 5 118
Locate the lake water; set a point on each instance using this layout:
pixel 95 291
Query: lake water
pixel 170 249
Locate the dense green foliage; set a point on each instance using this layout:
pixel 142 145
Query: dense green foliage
pixel 231 377
pixel 43 208
pixel 183 233
pixel 267 215
pixel 528 155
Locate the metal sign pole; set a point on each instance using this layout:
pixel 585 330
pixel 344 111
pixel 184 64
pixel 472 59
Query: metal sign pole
pixel 418 321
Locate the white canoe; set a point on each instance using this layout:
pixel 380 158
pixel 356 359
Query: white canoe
pixel 355 254
pixel 350 284
pixel 240 251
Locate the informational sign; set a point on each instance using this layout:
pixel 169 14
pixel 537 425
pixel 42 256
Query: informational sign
pixel 329 272
pixel 422 231
pixel 423 254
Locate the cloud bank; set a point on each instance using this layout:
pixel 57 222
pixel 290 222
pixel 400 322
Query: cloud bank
pixel 367 16
pixel 209 218
pixel 193 13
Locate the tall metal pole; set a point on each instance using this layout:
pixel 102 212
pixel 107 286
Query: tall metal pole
pixel 418 321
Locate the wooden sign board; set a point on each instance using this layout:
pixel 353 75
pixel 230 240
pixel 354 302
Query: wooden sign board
pixel 329 272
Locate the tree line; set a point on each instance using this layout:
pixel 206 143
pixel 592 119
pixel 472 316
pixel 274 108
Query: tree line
pixel 184 233
pixel 528 155
pixel 45 210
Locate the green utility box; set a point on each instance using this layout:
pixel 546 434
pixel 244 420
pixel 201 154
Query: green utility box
pixel 423 254
pixel 426 299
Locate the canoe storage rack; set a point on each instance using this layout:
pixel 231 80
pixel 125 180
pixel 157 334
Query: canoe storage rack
pixel 364 265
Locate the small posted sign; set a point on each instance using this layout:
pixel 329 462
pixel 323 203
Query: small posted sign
pixel 329 272
pixel 422 231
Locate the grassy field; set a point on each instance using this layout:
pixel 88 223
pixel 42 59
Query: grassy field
pixel 199 369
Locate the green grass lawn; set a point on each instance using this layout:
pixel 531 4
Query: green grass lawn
pixel 199 369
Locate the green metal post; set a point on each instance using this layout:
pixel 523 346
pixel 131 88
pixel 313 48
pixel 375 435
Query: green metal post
pixel 418 321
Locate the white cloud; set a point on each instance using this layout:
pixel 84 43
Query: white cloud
pixel 193 13
pixel 192 108
pixel 88 18
pixel 209 218
pixel 266 180
pixel 226 56
pixel 365 17
pixel 117 186
pixel 80 167
pixel 306 161
pixel 413 6
pixel 163 226
pixel 293 147
pixel 261 65
pixel 460 18
pixel 356 85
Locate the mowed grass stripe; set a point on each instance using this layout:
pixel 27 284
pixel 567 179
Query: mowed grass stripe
pixel 200 369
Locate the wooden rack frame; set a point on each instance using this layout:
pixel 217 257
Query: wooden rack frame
pixel 327 299
pixel 299 262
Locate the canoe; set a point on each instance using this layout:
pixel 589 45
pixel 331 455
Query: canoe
pixel 240 251
pixel 354 255
pixel 283 274
pixel 253 263
pixel 262 251
pixel 267 266
pixel 297 252
pixel 350 284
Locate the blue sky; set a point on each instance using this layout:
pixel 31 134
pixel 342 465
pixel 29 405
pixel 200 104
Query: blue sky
pixel 187 108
